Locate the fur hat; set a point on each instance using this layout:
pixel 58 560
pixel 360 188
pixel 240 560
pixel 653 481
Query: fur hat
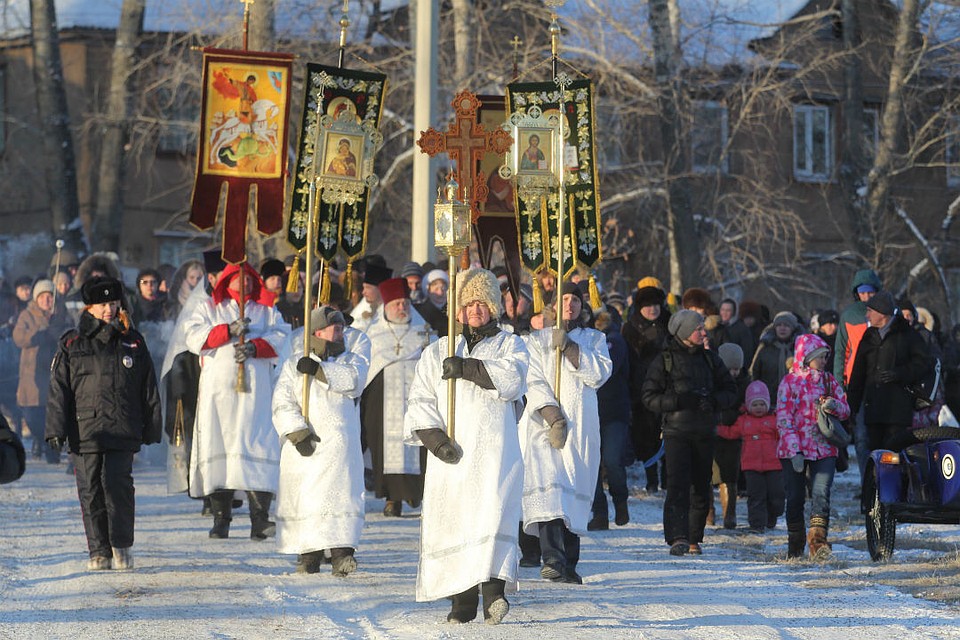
pixel 649 297
pixel 479 285
pixel 375 274
pixel 394 289
pixel 213 261
pixel 828 317
pixel 751 309
pixel 787 318
pixel 757 390
pixel 694 297
pixel 98 290
pixel 436 274
pixel 926 318
pixel 731 354
pixel 323 317
pixel 272 267
pixel 683 323
pixel 649 281
pixel 103 262
pixel 42 286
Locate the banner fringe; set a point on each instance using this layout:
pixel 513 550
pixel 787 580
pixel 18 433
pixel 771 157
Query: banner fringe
pixel 293 280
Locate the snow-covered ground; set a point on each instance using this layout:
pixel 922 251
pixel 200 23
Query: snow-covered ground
pixel 188 586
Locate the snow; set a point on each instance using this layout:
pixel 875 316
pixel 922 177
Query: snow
pixel 185 585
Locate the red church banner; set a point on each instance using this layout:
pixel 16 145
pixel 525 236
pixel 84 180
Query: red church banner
pixel 242 149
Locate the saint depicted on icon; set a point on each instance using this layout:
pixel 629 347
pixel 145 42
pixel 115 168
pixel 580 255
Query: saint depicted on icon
pixel 533 159
pixel 344 161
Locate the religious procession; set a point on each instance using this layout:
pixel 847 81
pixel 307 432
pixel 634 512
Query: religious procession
pixel 505 392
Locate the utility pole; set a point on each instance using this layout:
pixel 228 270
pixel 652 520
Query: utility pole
pixel 425 97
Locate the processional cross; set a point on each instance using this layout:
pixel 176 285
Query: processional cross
pixel 465 143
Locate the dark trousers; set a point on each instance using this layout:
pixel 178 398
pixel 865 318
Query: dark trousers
pixel 614 440
pixel 529 547
pixel 36 418
pixel 765 497
pixel 689 493
pixel 558 545
pixel 795 484
pixel 105 488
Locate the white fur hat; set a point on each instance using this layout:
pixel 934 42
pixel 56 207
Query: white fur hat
pixel 479 284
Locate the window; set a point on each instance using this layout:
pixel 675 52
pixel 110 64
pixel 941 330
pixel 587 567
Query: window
pixel 871 135
pixel 709 137
pixel 953 151
pixel 812 143
pixel 175 101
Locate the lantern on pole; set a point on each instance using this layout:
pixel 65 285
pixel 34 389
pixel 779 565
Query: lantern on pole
pixel 452 235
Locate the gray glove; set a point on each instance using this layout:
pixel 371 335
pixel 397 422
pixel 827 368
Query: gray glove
pixel 797 462
pixel 438 443
pixel 304 440
pixel 556 425
pixel 243 351
pixel 239 327
pixel 571 350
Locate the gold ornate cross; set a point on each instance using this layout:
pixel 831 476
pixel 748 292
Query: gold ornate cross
pixel 465 143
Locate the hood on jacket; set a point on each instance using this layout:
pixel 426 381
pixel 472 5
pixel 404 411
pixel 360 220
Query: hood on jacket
pixel 259 292
pixel 103 262
pixel 805 345
pixel 865 276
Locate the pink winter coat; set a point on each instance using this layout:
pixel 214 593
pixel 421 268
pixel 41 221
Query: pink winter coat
pixel 797 402
pixel 759 436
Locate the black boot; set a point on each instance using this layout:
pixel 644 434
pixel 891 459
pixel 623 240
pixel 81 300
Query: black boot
pixel 495 605
pixel 207 509
pixel 464 606
pixel 343 561
pixel 310 562
pixel 796 539
pixel 621 513
pixel 221 505
pixel 261 527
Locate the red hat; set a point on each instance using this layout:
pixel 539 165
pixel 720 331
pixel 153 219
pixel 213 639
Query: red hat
pixel 394 289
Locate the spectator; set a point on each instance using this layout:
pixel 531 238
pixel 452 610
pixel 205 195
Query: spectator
pixel 148 303
pixel 735 330
pixel 772 360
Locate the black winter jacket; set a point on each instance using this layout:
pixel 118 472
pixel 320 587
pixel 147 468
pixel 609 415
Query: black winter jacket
pixel 103 391
pixel 692 369
pixel 902 351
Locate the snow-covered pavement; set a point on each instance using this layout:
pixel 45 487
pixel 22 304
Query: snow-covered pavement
pixel 188 586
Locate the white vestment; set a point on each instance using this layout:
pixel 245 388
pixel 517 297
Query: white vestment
pixel 234 444
pixel 560 483
pixel 395 350
pixel 468 530
pixel 363 315
pixel 321 500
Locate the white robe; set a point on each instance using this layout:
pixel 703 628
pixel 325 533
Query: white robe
pixel 363 315
pixel 560 483
pixel 468 531
pixel 321 500
pixel 234 444
pixel 399 367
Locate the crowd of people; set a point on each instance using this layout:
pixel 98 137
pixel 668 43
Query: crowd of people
pixel 546 415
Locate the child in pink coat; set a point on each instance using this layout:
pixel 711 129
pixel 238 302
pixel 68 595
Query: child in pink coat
pixel 757 428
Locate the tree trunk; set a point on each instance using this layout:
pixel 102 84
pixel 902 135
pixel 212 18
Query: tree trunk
pixel 114 129
pixel 853 167
pixel 879 183
pixel 462 42
pixel 262 35
pixel 671 101
pixel 57 158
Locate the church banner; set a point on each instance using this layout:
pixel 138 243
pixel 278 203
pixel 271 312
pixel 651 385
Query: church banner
pixel 334 92
pixel 241 165
pixel 537 217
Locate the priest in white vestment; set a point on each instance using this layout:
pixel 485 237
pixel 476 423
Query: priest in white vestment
pixel 471 498
pixel 397 339
pixel 560 438
pixel 321 502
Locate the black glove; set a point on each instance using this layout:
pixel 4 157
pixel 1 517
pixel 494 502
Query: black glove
pixel 243 352
pixel 475 372
pixel 307 365
pixel 452 367
pixel 304 440
pixel 707 404
pixel 887 375
pixel 239 327
pixel 56 443
pixel 335 349
pixel 688 401
pixel 438 443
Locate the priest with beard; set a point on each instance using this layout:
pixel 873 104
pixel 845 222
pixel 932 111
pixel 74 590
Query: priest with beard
pixel 398 337
pixel 472 490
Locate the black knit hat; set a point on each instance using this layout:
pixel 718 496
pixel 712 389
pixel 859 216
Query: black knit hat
pixel 272 267
pixel 213 262
pixel 99 290
pixel 882 303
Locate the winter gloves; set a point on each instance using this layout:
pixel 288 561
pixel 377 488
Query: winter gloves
pixel 694 401
pixel 243 351
pixel 571 350
pixel 469 369
pixel 556 425
pixel 311 367
pixel 438 443
pixel 887 375
pixel 304 440
pixel 240 327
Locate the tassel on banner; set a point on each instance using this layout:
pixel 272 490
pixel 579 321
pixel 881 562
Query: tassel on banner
pixel 348 282
pixel 537 297
pixel 595 300
pixel 293 280
pixel 325 285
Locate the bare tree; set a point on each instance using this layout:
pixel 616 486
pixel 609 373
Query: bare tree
pixel 114 129
pixel 263 34
pixel 463 14
pixel 58 157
